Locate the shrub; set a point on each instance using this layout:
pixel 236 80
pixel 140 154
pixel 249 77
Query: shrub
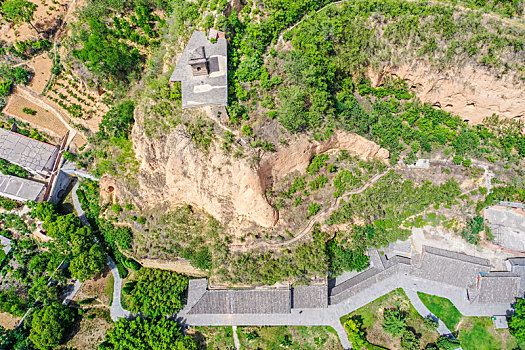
pixel 394 321
pixel 27 110
pixel 409 341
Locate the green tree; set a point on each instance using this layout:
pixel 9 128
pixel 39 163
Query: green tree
pixel 517 321
pixel 446 343
pixel 147 334
pixel 49 325
pixel 394 321
pixel 157 292
pixel 355 334
pixel 18 11
pixel 409 341
pixel 63 227
pixel 88 263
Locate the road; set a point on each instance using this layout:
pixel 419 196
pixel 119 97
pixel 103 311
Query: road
pixel 116 310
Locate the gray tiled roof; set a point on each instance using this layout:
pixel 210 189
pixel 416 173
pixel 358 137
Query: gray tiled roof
pixel 448 267
pixel 26 152
pixel 308 297
pixel 211 89
pixel 498 287
pixel 20 189
pixel 252 301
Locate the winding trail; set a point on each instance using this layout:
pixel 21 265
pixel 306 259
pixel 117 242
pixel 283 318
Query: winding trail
pixel 116 310
pixel 319 217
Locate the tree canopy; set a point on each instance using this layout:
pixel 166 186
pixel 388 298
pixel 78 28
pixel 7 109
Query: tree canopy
pixel 517 321
pixel 49 325
pixel 147 334
pixel 157 292
pixel 18 10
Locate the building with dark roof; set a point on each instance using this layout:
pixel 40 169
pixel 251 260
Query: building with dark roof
pixel 35 156
pixel 243 301
pixel 203 71
pixel 449 267
pixel 310 297
pixel 517 266
pixel 496 287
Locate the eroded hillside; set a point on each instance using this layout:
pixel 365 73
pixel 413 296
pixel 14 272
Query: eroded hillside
pixel 310 158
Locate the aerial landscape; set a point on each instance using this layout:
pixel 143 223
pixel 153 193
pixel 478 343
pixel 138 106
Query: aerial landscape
pixel 262 174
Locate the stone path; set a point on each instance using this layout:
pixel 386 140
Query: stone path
pixel 116 310
pixel 73 292
pixel 236 338
pixel 330 316
pixel 425 312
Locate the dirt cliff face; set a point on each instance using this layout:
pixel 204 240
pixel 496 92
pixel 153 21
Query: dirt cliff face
pixel 472 93
pixel 231 189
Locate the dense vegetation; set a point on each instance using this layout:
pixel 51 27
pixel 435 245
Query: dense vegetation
pixel 517 321
pixel 156 292
pixel 113 37
pixel 147 333
pixel 385 206
pixel 49 325
pixel 112 237
pixel 71 240
pixel 10 76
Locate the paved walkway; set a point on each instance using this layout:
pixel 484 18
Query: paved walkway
pixel 116 310
pixel 425 312
pixel 330 316
pixel 236 338
pixel 73 292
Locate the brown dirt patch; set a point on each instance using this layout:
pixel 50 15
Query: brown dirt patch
pixel 42 66
pixel 8 321
pixel 43 120
pixel 95 290
pixel 90 331
pixel 47 16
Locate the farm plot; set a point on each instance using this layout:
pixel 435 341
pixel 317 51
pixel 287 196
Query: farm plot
pixel 83 105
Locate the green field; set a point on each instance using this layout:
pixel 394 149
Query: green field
pixel 474 333
pixel 443 309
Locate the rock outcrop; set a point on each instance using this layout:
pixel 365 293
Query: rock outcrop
pixel 173 170
pixel 472 93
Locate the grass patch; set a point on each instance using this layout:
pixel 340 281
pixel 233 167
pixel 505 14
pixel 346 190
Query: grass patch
pixel 443 309
pixel 213 338
pixel 109 288
pixel 475 334
pixel 299 338
pixel 371 317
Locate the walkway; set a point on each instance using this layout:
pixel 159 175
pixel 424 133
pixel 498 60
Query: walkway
pixel 425 312
pixel 330 316
pixel 318 218
pixel 116 310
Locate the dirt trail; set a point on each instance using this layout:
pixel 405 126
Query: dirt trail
pixel 42 102
pixel 319 217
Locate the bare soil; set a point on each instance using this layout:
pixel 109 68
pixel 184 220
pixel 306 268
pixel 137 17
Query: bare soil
pixel 41 65
pixel 95 290
pixel 47 16
pixel 43 120
pixel 8 321
pixel 90 331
